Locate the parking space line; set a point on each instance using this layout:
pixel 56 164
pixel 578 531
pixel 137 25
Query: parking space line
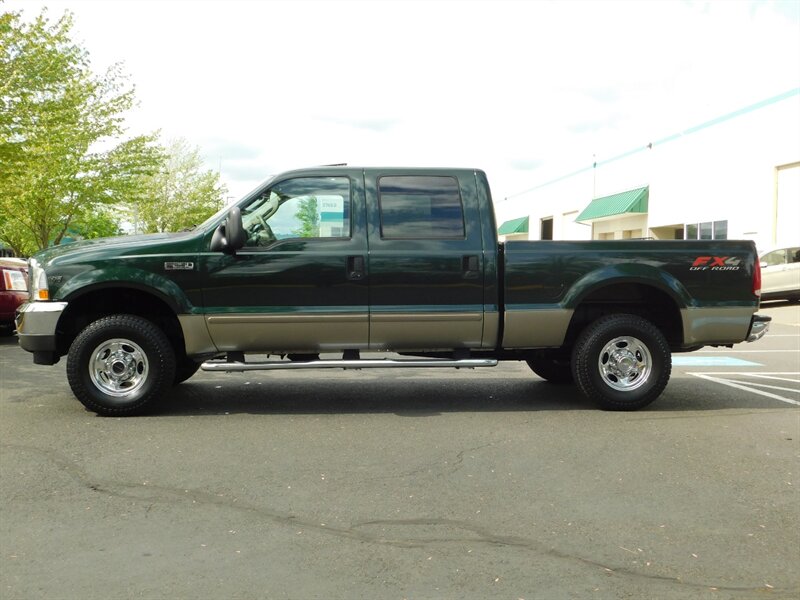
pixel 746 386
pixel 762 376
pixel 712 361
pixel 793 350
pixel 773 387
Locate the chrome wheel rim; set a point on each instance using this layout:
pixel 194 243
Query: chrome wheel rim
pixel 625 363
pixel 118 367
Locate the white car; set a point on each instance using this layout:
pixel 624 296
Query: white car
pixel 780 274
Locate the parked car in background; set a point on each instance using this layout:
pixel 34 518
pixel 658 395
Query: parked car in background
pixel 780 274
pixel 13 291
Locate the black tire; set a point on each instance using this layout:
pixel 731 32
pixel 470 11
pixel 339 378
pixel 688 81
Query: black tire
pixel 184 369
pixel 552 369
pixel 120 365
pixel 621 362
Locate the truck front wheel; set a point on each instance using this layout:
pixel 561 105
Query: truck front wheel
pixel 621 362
pixel 119 365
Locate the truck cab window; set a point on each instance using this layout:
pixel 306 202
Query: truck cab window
pixel 308 207
pixel 420 207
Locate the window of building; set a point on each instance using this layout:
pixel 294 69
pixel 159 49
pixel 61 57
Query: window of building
pixel 709 230
pixel 546 229
pixel 420 207
pixel 306 207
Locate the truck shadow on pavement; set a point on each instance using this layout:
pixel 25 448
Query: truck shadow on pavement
pixel 419 397
pixel 407 398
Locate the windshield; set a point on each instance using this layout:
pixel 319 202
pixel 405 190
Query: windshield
pixel 217 216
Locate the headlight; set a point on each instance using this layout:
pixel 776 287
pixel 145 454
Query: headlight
pixel 38 280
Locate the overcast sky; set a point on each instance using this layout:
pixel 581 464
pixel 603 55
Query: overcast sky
pixel 527 91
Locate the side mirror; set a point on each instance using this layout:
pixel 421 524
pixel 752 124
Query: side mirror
pixel 230 235
pixel 764 264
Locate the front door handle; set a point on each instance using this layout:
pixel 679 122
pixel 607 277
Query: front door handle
pixel 355 268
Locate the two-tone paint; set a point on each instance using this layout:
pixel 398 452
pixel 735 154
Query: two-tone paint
pixel 409 295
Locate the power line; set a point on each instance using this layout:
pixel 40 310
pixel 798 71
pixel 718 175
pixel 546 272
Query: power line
pixel 665 140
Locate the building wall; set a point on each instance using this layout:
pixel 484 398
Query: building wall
pixel 726 170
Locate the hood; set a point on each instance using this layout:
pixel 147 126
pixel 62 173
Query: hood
pixel 118 244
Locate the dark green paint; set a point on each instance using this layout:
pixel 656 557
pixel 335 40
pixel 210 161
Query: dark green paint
pixel 311 275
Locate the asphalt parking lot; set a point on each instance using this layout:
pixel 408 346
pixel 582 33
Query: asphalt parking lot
pixel 409 484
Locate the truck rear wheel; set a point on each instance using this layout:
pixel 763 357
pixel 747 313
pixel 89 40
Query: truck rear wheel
pixel 119 365
pixel 621 362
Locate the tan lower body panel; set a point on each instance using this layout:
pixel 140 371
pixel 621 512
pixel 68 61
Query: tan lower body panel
pixel 491 327
pixel 426 331
pixel 195 335
pixel 535 328
pixel 715 325
pixel 289 333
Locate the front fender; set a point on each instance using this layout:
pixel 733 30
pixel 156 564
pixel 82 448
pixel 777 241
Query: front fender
pixel 126 277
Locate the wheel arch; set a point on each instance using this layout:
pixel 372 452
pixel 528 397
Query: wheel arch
pixel 95 302
pixel 645 298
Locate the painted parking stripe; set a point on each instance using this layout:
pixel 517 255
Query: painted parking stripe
pixel 748 386
pixel 712 361
pixel 762 376
pixel 795 351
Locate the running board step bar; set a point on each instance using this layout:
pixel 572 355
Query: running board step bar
pixel 383 363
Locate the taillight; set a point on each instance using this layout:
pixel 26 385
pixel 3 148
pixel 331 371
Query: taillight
pixel 757 278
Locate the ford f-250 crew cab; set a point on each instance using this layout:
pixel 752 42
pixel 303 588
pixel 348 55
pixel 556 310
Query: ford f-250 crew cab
pixel 344 260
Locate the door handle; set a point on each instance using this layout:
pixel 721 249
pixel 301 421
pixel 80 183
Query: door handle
pixel 470 266
pixel 355 268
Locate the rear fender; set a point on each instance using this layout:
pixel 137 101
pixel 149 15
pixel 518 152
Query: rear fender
pixel 641 274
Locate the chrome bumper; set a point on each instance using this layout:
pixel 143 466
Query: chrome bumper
pixel 36 325
pixel 758 327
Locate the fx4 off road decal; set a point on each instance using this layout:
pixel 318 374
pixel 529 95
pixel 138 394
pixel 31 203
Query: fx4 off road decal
pixel 716 263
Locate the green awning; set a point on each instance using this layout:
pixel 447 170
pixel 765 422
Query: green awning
pixel 514 226
pixel 632 201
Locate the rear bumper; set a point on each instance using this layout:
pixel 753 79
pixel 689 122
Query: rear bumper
pixel 36 325
pixel 759 325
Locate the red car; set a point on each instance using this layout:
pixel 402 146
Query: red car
pixel 13 290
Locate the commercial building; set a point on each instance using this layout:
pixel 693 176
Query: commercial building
pixel 736 176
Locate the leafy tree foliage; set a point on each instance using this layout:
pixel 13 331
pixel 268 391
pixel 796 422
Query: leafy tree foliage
pixel 60 125
pixel 180 194
pixel 308 216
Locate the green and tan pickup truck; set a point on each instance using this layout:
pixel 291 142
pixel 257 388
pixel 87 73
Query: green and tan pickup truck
pixel 343 260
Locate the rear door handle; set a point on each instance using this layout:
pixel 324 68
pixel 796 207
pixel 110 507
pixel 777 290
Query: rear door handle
pixel 470 263
pixel 355 268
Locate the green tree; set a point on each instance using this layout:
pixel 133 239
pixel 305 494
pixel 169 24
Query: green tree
pixel 180 194
pixel 61 157
pixel 103 222
pixel 308 215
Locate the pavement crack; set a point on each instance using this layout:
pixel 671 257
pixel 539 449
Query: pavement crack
pixel 371 531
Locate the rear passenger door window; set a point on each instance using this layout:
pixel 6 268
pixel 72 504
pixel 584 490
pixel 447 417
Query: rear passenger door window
pixel 419 207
